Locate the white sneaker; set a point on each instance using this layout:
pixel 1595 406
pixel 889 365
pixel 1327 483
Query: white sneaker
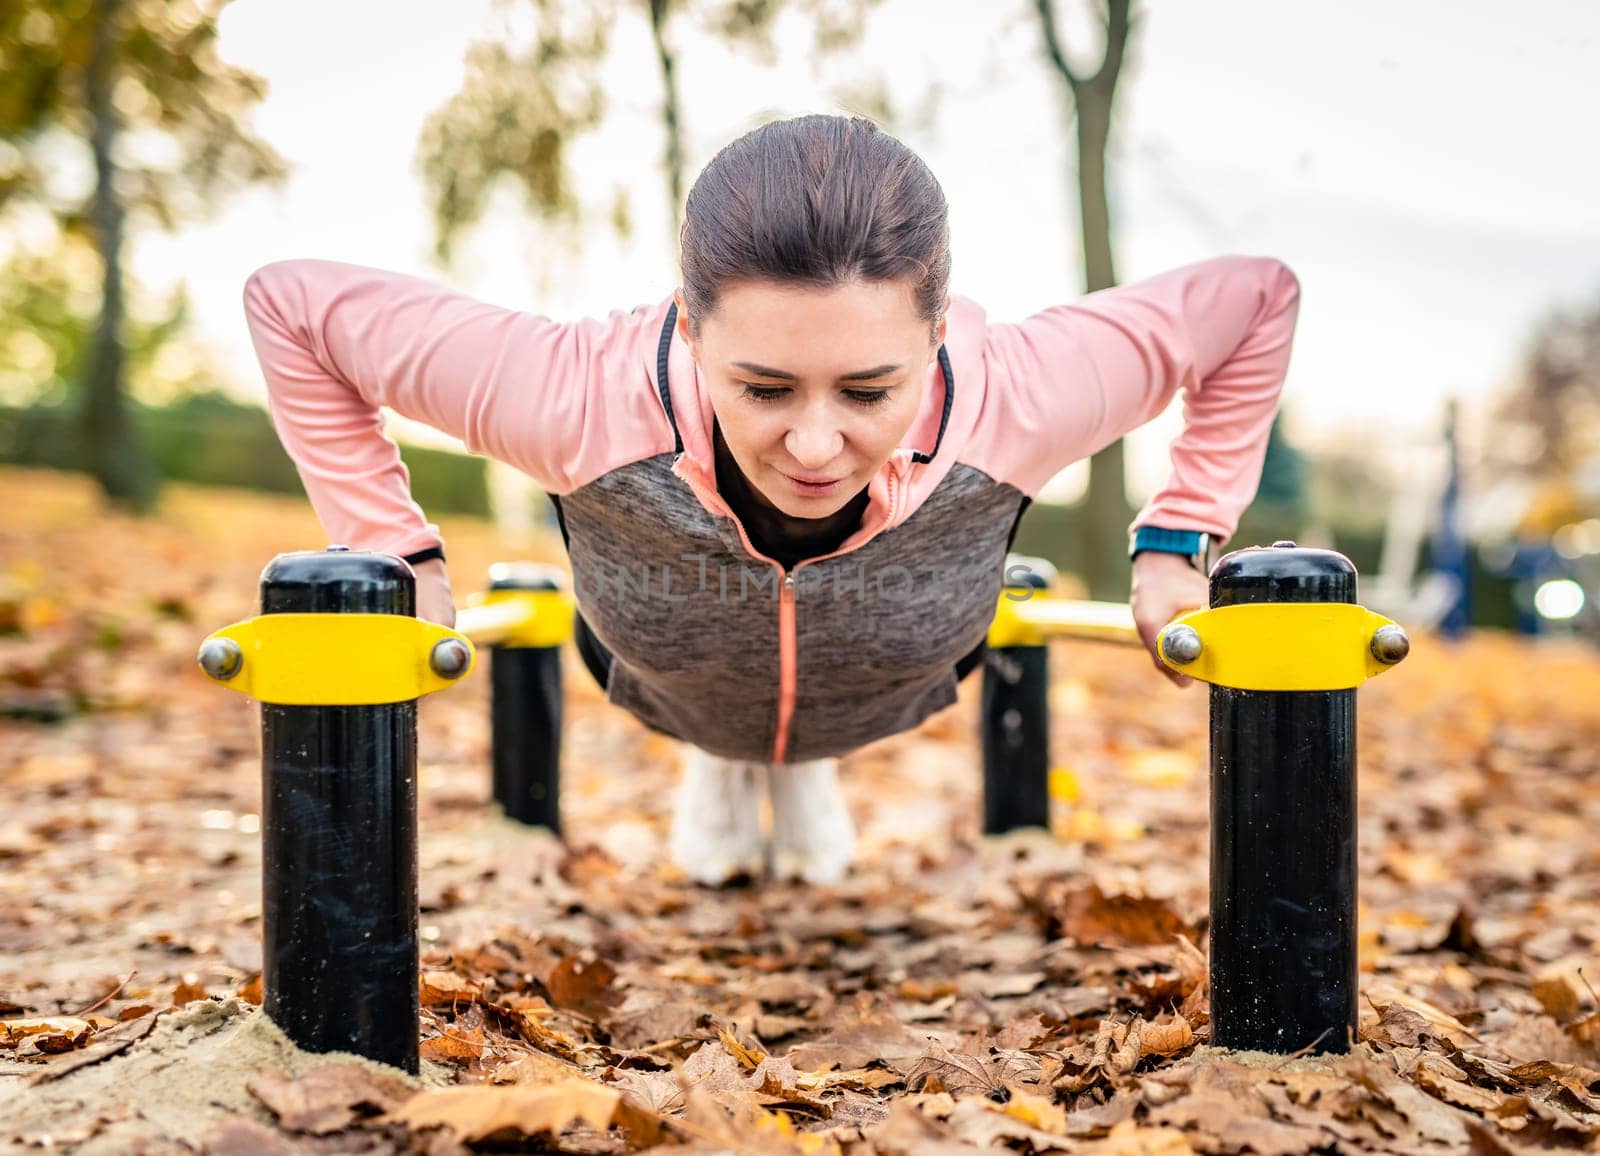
pixel 716 818
pixel 813 837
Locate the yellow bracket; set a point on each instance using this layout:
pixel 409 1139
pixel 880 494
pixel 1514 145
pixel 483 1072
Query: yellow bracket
pixel 1282 645
pixel 337 659
pixel 518 618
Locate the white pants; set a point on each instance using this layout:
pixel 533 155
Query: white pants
pixel 716 823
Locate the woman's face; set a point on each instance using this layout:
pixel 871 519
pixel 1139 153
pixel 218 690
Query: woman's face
pixel 813 385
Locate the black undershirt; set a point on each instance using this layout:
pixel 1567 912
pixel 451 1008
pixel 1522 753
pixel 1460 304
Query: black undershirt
pixel 780 537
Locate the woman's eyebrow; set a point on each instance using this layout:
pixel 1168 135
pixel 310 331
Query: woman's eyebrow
pixel 859 375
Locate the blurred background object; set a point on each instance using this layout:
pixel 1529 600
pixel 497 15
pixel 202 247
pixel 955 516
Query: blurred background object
pixel 115 116
pixel 1442 415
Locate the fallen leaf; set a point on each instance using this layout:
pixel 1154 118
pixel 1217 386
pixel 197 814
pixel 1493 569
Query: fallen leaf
pixel 1037 1112
pixel 441 987
pixel 1557 996
pixel 1086 915
pixel 479 1112
pixel 1163 1039
pixel 329 1097
pixel 454 1045
pixel 582 985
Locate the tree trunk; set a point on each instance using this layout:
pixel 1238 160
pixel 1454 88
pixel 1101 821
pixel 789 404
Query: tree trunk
pixel 1106 507
pixel 112 450
pixel 1090 99
pixel 659 14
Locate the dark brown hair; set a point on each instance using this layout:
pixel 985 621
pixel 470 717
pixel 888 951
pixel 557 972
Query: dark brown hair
pixel 821 200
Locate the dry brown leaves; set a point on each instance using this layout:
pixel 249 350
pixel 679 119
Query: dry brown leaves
pixel 952 995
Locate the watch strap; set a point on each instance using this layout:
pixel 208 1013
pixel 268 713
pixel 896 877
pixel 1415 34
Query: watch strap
pixel 1194 545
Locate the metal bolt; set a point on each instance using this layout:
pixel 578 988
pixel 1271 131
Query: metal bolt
pixel 221 658
pixel 1283 544
pixel 450 658
pixel 1390 644
pixel 1181 644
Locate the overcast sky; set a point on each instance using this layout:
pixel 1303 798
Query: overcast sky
pixel 1426 169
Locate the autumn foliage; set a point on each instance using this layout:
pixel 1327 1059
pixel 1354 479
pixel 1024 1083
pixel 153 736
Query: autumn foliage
pixel 1029 993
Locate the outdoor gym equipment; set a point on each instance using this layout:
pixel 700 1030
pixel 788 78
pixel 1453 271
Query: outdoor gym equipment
pixel 338 660
pixel 1016 686
pixel 526 617
pixel 1283 646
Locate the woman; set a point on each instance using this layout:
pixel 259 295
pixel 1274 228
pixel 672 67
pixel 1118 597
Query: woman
pixel 787 491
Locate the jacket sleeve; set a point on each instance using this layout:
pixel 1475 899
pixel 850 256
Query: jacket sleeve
pixel 1075 378
pixel 336 342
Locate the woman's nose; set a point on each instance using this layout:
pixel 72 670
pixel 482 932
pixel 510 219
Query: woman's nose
pixel 813 444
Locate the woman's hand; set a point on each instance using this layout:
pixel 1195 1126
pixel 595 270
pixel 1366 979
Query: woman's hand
pixel 1164 586
pixel 434 600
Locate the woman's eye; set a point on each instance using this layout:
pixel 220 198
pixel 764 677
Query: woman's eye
pixel 774 393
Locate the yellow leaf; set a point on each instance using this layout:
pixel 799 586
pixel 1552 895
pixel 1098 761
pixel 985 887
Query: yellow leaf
pixel 1131 1139
pixel 1036 1112
pixel 70 1026
pixel 1064 786
pixel 746 1056
pixel 1160 768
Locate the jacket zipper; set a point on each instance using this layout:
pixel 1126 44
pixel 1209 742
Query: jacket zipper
pixel 788 674
pixel 788 644
pixel 788 661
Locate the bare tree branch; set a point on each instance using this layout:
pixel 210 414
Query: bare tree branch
pixel 1052 43
pixel 671 118
pixel 1117 22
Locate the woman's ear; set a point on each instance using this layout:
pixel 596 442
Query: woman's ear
pixel 683 321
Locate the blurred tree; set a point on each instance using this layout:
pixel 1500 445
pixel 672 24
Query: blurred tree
pixel 1548 424
pixel 134 92
pixel 521 108
pixel 1087 98
pixel 1283 472
pixel 1281 506
pixel 49 309
pixel 1349 487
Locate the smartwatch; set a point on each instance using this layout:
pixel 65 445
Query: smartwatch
pixel 1195 545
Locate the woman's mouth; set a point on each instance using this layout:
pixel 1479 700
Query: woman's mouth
pixel 812 489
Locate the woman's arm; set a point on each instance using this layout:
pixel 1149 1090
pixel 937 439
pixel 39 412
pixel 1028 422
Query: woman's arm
pixel 337 341
pixel 1072 379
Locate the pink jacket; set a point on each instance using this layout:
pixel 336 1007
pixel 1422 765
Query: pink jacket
pixel 581 408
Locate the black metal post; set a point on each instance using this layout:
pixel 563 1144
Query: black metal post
pixel 525 713
pixel 1283 832
pixel 1016 726
pixel 339 835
